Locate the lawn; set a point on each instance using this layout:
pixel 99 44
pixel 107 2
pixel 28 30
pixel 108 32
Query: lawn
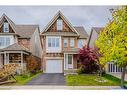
pixel 23 79
pixel 90 80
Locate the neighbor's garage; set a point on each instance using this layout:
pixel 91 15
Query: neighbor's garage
pixel 54 66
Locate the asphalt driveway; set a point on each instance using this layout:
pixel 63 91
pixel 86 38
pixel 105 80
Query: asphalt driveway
pixel 48 79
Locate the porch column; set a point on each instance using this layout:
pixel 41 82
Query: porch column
pixel 5 58
pixel 64 62
pixel 22 60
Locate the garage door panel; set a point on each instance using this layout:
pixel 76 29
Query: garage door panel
pixel 54 66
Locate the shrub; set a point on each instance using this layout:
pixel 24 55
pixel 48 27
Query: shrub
pixel 88 58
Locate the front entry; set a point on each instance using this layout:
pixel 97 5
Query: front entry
pixel 68 61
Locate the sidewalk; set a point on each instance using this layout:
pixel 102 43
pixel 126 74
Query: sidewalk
pixel 61 87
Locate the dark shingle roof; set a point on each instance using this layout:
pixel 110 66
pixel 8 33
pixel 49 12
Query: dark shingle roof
pixel 82 32
pixel 25 31
pixel 98 29
pixel 15 47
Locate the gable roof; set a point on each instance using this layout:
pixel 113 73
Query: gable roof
pixel 15 47
pixel 12 24
pixel 82 32
pixel 97 29
pixel 24 31
pixel 59 14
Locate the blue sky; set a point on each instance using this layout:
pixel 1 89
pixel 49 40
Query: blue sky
pixel 87 16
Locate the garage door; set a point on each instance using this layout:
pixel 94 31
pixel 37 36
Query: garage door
pixel 54 66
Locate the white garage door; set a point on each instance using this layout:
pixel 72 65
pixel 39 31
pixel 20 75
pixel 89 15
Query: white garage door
pixel 54 66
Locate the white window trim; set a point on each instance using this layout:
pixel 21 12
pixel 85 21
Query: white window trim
pixel 11 41
pixel 6 25
pixel 53 49
pixel 59 25
pixel 81 43
pixel 65 41
pixel 72 44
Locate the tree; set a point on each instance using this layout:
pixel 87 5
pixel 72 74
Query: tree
pixel 112 41
pixel 33 64
pixel 88 58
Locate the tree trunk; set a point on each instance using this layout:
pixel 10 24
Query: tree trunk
pixel 123 76
pixel 100 71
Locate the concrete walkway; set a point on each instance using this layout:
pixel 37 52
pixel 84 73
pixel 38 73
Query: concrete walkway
pixel 52 87
pixel 48 79
pixel 118 75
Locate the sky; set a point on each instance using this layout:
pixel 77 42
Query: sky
pixel 87 16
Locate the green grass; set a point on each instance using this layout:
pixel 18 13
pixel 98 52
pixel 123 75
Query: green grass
pixel 23 79
pixel 90 80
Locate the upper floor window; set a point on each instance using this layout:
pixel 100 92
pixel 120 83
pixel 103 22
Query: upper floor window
pixel 80 43
pixel 71 42
pixel 53 42
pixel 59 25
pixel 6 27
pixel 65 42
pixel 4 41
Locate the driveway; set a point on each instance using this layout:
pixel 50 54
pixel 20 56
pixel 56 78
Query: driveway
pixel 48 79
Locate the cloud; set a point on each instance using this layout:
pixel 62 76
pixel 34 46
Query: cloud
pixel 87 16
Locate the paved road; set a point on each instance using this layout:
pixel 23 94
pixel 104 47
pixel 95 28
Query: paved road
pixel 48 79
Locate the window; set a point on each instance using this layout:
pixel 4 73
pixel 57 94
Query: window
pixel 80 43
pixel 49 42
pixel 59 24
pixel 53 42
pixel 72 42
pixel 57 42
pixel 69 59
pixel 6 27
pixel 65 42
pixel 4 41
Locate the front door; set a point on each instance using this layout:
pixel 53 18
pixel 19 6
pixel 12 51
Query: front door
pixel 70 61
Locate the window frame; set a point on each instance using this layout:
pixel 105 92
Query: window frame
pixel 55 42
pixel 65 42
pixel 72 42
pixel 59 24
pixel 6 26
pixel 6 41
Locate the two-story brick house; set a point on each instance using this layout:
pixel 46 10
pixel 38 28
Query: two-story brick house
pixel 18 42
pixel 61 42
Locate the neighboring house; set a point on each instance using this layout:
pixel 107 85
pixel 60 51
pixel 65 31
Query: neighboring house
pixel 61 42
pixel 18 42
pixel 95 31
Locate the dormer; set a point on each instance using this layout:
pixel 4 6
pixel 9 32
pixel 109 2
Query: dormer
pixel 59 23
pixel 6 25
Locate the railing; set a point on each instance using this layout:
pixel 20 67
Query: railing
pixel 113 68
